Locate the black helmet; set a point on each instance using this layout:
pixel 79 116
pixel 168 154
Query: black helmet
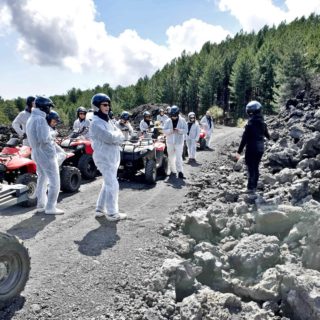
pixel 146 114
pixel 253 108
pixel 44 104
pixel 125 115
pixel 29 102
pixel 53 116
pixel 174 111
pixel 82 110
pixel 98 98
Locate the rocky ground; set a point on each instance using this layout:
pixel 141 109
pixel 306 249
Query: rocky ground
pixel 220 254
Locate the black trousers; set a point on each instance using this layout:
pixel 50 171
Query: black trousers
pixel 253 159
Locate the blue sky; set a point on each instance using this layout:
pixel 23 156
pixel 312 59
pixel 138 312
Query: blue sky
pixel 49 46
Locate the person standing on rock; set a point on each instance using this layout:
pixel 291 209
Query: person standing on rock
pixel 106 138
pixel 192 136
pixel 253 140
pixel 45 156
pixel 19 123
pixel 175 129
pixel 207 124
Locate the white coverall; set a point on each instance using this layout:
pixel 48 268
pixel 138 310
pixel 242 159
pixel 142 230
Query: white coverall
pixel 82 127
pixel 125 128
pixel 43 152
pixel 61 154
pixel 162 119
pixel 175 141
pixel 106 138
pixel 204 122
pixel 192 138
pixel 19 125
pixel 144 127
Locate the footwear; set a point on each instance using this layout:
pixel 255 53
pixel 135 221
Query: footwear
pixel 116 216
pixel 40 210
pixel 55 211
pixel 100 213
pixel 172 175
pixel 181 176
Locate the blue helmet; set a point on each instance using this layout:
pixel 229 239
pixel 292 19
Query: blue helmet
pixel 44 104
pixel 174 111
pixel 99 98
pixel 53 116
pixel 253 108
pixel 125 115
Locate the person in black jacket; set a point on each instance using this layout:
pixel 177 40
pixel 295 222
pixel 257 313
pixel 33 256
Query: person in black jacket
pixel 253 140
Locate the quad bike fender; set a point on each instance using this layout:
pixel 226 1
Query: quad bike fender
pixel 18 163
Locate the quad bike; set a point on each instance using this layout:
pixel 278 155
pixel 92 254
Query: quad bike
pixel 144 153
pixel 82 150
pixel 16 167
pixel 14 256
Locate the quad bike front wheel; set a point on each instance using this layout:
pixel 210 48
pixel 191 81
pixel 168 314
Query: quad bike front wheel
pixel 151 171
pixel 29 180
pixel 70 179
pixel 14 268
pixel 87 167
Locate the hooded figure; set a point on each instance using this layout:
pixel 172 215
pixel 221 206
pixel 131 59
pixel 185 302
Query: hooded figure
pixel 192 136
pixel 81 124
pixel 208 125
pixel 175 129
pixel 106 138
pixel 19 123
pixel 44 154
pixel 253 140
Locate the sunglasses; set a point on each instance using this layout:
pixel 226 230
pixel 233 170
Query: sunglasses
pixel 82 113
pixel 105 104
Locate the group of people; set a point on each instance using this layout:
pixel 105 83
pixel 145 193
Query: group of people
pixel 36 126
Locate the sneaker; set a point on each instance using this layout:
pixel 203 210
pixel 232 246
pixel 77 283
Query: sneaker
pixel 172 175
pixel 181 176
pixel 116 216
pixel 55 211
pixel 100 213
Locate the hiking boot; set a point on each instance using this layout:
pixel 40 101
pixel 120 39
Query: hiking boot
pixel 54 211
pixel 116 217
pixel 172 175
pixel 181 176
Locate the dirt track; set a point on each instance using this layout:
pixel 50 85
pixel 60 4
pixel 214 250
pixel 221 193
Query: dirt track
pixel 83 268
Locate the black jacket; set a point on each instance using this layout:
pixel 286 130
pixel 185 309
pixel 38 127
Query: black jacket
pixel 253 136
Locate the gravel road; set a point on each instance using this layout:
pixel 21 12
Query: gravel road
pixel 84 268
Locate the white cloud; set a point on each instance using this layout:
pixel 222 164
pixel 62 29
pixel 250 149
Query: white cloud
pixel 192 34
pixel 253 14
pixel 66 34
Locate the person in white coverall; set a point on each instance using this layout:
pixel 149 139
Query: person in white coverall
pixel 44 154
pixel 124 125
pixel 106 138
pixel 81 124
pixel 207 124
pixel 146 124
pixel 19 123
pixel 175 129
pixel 192 136
pixel 53 119
pixel 161 117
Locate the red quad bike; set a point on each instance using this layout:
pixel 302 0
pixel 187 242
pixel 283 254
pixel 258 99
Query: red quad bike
pixel 146 154
pixel 16 167
pixel 82 150
pixel 14 256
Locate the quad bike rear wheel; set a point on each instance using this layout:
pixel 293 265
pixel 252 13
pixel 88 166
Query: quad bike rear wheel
pixel 151 171
pixel 70 179
pixel 30 180
pixel 14 268
pixel 87 167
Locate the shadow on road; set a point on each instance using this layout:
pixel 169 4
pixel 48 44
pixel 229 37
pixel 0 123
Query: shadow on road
pixel 175 182
pixel 28 228
pixel 9 311
pixel 102 238
pixel 15 210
